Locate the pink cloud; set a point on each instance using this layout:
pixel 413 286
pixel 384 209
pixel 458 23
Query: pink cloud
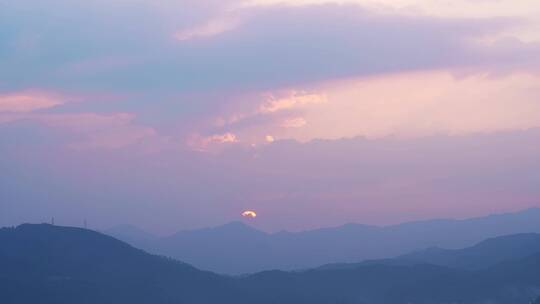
pixel 94 130
pixel 293 100
pixel 412 104
pixel 269 110
pixel 204 144
pixel 211 28
pixel 224 138
pixel 28 101
pixel 296 122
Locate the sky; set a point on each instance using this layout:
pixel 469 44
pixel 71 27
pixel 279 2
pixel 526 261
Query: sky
pixel 179 114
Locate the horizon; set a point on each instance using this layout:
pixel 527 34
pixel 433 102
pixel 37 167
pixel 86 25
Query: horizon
pixel 247 223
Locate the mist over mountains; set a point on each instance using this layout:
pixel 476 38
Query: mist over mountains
pixel 51 264
pixel 243 249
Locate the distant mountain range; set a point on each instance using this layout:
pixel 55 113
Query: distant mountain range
pixel 50 264
pixel 244 249
pixel 480 256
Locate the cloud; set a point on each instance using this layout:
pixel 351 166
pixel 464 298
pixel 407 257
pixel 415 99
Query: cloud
pixel 211 28
pixel 423 104
pixel 440 8
pixel 404 105
pixel 285 52
pixel 296 122
pixel 270 109
pixel 90 130
pixel 223 138
pixel 22 102
pixel 245 48
pixel 294 100
pixel 213 142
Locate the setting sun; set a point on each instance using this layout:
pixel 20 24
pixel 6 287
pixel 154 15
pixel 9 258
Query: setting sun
pixel 249 214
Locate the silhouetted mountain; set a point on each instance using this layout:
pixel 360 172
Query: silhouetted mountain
pixel 50 264
pixel 237 244
pixel 482 255
pixel 245 250
pixel 511 282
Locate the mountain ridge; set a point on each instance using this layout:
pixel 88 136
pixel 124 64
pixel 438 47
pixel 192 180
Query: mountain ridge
pixel 246 249
pixel 479 256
